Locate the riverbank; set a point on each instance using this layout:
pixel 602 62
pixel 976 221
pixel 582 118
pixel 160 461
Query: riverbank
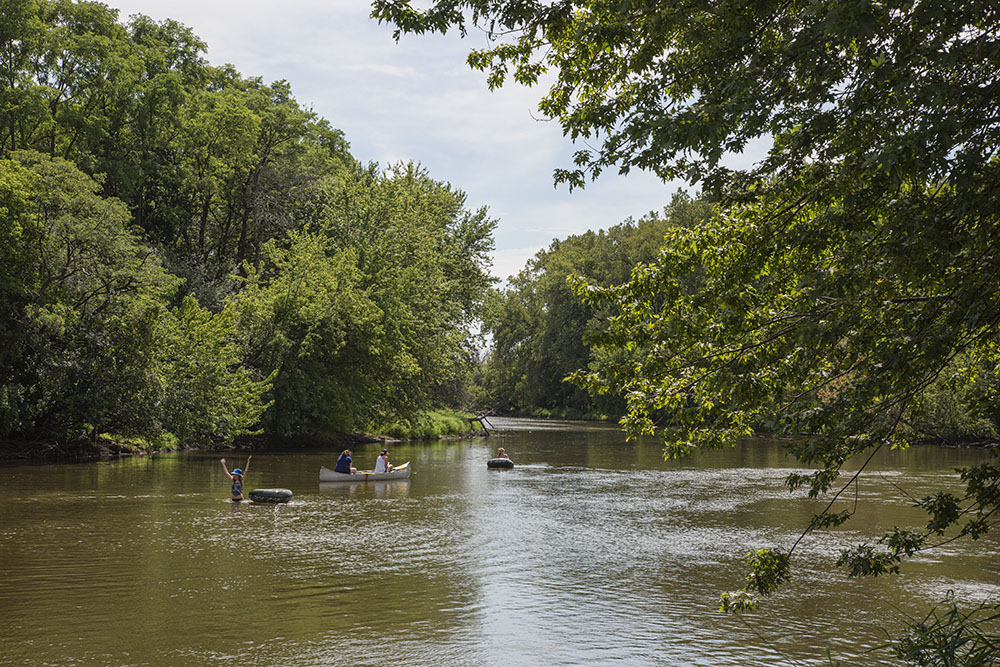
pixel 434 425
pixel 438 425
pixel 77 450
pixel 560 415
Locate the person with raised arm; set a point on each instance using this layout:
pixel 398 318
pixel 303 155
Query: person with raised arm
pixel 237 476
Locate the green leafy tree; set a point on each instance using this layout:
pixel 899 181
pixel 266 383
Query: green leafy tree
pixel 210 164
pixel 305 318
pixel 424 261
pixel 959 406
pixel 176 236
pixel 207 393
pixel 89 345
pixel 80 290
pixel 542 331
pixel 364 314
pixel 847 268
pixel 60 62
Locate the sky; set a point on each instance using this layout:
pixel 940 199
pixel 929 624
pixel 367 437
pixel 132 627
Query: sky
pixel 417 100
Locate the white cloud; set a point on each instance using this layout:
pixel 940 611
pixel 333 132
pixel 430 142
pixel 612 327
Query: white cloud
pixel 388 70
pixel 418 100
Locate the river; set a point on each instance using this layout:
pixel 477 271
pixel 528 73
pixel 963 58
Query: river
pixel 590 551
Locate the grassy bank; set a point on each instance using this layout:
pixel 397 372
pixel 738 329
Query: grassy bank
pixel 429 426
pixel 560 413
pixel 82 449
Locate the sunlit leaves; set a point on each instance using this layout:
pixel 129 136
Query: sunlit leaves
pixel 360 285
pixel 847 290
pixel 80 295
pixel 768 570
pixel 363 314
pixel 208 394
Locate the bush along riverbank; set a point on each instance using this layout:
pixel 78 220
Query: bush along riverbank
pixel 104 446
pixel 431 425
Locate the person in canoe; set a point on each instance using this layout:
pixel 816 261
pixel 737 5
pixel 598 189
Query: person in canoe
pixel 237 476
pixel 344 463
pixel 382 462
pixel 501 454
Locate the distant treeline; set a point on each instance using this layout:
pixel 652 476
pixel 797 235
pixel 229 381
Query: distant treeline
pixel 542 332
pixel 189 254
pixel 549 345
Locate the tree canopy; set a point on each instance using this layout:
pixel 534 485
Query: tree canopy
pixel 845 273
pixel 542 332
pixel 188 251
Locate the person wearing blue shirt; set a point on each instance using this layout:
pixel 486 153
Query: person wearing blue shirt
pixel 344 463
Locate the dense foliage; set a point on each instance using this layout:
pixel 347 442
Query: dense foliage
pixel 847 272
pixel 542 332
pixel 187 250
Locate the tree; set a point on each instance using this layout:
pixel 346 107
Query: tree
pixel 423 256
pixel 845 270
pixel 208 393
pixel 210 164
pixel 88 344
pixel 178 240
pixel 363 314
pixel 541 330
pixel 306 320
pixel 80 293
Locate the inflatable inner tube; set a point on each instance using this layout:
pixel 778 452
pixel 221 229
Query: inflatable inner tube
pixel 499 463
pixel 270 496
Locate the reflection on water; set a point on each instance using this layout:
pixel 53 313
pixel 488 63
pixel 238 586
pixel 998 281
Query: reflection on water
pixel 397 488
pixel 591 551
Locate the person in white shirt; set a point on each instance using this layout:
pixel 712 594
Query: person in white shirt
pixel 382 462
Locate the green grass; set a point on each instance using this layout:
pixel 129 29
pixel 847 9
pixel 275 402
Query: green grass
pixel 565 413
pixel 139 444
pixel 428 426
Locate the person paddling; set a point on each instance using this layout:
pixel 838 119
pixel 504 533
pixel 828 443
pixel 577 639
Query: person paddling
pixel 237 476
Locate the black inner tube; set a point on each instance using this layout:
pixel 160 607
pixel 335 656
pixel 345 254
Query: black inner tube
pixel 270 495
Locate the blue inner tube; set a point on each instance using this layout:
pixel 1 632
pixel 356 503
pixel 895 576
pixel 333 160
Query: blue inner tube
pixel 270 496
pixel 499 463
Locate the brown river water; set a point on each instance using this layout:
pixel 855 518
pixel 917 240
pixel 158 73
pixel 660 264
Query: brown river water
pixel 591 551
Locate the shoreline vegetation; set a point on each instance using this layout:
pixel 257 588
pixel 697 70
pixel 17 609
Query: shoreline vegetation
pixel 436 425
pixel 429 426
pixel 191 258
pixel 160 287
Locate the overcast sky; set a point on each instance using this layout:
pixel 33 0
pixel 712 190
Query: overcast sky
pixel 417 100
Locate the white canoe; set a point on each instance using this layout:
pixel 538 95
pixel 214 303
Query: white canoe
pixel 399 472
